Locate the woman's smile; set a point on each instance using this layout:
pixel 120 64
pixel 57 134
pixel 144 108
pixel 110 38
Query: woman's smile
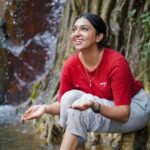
pixel 78 41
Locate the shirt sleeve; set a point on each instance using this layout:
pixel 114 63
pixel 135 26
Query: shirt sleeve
pixel 65 81
pixel 121 80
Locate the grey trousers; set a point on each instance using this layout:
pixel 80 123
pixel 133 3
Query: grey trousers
pixel 81 122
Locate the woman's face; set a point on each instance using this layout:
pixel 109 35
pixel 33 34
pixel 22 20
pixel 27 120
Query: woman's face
pixel 83 34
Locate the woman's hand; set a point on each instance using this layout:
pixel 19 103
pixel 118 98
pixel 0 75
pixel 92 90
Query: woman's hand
pixel 82 105
pixel 34 112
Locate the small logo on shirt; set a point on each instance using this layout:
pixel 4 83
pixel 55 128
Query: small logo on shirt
pixel 77 85
pixel 103 84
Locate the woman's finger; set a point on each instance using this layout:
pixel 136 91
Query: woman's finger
pixel 28 111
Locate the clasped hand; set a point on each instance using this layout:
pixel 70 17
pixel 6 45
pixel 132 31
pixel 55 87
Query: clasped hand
pixel 82 105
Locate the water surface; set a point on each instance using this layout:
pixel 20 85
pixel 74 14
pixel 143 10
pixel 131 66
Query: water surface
pixel 15 135
pixel 22 137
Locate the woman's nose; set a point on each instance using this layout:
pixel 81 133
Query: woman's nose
pixel 78 32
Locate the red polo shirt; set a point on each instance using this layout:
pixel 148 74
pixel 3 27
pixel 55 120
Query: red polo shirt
pixel 113 80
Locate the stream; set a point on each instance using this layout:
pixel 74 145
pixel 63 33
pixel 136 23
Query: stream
pixel 15 135
pixel 20 137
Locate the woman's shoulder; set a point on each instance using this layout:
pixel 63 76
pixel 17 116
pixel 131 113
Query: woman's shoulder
pixel 113 54
pixel 114 58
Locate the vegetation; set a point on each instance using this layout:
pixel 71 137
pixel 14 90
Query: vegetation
pixel 145 48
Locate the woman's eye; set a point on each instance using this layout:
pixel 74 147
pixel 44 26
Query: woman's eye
pixel 73 29
pixel 84 29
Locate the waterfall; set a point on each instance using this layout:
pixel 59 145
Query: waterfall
pixel 28 37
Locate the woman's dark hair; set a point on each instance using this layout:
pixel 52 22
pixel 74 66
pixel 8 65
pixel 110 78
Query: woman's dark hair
pixel 97 22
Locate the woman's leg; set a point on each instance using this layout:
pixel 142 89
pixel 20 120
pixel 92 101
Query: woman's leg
pixel 69 141
pixel 67 99
pixel 80 122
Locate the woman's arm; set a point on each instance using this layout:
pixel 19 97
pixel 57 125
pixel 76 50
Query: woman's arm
pixel 118 113
pixel 37 111
pixel 53 108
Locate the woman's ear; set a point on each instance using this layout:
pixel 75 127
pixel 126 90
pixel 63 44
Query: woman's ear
pixel 99 37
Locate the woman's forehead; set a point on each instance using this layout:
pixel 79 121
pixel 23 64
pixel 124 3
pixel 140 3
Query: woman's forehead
pixel 82 21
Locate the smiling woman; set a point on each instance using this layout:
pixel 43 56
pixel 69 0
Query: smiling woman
pixel 97 89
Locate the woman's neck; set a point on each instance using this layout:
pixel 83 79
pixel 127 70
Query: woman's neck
pixel 91 59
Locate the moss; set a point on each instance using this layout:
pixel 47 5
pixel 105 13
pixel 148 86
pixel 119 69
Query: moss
pixel 35 90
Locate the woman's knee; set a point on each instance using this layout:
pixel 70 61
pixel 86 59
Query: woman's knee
pixel 69 97
pixel 80 119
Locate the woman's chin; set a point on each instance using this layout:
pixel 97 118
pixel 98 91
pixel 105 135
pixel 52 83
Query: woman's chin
pixel 79 48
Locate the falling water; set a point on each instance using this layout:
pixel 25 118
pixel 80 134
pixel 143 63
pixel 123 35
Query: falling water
pixel 28 31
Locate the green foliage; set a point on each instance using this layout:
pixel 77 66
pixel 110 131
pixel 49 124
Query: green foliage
pixel 145 49
pixel 145 26
pixel 132 13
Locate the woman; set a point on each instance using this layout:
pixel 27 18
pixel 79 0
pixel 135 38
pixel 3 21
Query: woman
pixel 97 90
